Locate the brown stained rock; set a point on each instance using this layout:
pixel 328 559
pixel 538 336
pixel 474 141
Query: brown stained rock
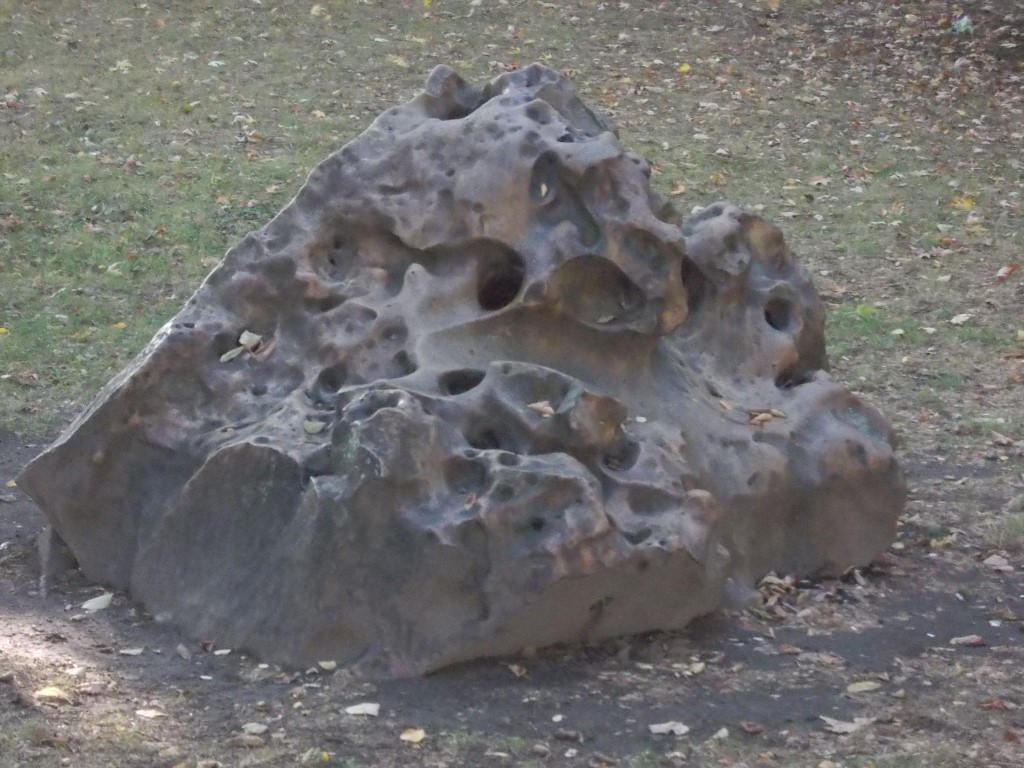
pixel 488 391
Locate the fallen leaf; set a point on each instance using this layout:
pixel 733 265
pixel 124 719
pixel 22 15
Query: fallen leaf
pixel 256 729
pixel 970 641
pixel 98 603
pixel 183 651
pixel 844 727
pixel 313 427
pixel 231 354
pixel 150 714
pixel 542 408
pixel 222 652
pixel 52 693
pixel 328 666
pixel 1006 271
pixel 368 709
pixel 413 735
pixel 863 686
pixel 672 728
pixel 518 670
pixel 997 705
pixel 752 728
pixel 249 340
pixel 131 651
pixel 683 68
pixel 960 319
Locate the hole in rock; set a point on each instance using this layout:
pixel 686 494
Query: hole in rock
pixel 789 379
pixel 484 440
pixel 330 381
pixel 258 389
pixel 623 457
pixel 696 284
pixel 503 492
pixel 464 476
pixel 649 501
pixel 500 274
pixel 459 381
pixel 327 303
pixel 778 313
pixel 566 138
pixel 401 365
pixel 858 453
pixel 261 440
pixel 594 290
pixel 509 459
pixel 538 112
pixel 224 341
pixel 712 389
pixel 537 523
pixel 638 537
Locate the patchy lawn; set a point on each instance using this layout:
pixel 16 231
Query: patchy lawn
pixel 139 140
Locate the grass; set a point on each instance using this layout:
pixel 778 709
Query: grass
pixel 139 141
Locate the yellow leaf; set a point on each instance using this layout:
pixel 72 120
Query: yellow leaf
pixel 965 203
pixel 120 325
pixel 413 735
pixel 427 3
pixel 11 484
pixel 52 693
pixel 4 330
pixel 683 69
pixel 863 686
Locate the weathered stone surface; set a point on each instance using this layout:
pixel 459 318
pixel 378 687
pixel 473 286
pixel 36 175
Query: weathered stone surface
pixel 475 388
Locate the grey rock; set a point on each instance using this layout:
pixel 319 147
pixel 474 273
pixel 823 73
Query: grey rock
pixel 502 396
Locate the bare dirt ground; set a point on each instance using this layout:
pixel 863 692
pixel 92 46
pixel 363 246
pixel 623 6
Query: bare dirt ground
pixel 889 149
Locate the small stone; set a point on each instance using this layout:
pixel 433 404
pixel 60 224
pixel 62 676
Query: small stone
pixel 540 750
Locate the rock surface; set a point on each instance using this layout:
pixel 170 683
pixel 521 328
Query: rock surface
pixel 476 388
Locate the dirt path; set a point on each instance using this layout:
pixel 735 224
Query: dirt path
pixel 765 675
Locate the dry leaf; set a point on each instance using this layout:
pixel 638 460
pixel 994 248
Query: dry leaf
pixel 671 728
pixel 150 714
pixel 518 670
pixel 971 641
pixel 1006 271
pixel 131 651
pixel 960 319
pixel 542 408
pixel 231 354
pixel 368 709
pixel 413 735
pixel 249 340
pixel 256 729
pixel 52 693
pixel 844 727
pixel 863 686
pixel 312 427
pixel 98 603
pixel 328 666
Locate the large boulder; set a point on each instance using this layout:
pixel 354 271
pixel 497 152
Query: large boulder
pixel 476 388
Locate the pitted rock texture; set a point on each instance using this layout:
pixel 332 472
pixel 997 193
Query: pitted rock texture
pixel 476 388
